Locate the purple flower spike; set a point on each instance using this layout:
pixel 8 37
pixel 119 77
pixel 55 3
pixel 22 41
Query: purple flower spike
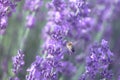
pixel 42 69
pixel 3 22
pixel 98 62
pixel 33 7
pixel 18 62
pixel 7 7
pixel 30 21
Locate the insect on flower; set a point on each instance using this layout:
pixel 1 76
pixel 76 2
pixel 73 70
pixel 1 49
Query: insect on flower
pixel 70 47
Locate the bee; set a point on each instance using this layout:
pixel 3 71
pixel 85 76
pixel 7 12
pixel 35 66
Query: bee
pixel 70 47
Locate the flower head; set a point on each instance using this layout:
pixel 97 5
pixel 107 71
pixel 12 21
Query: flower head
pixel 32 7
pixel 18 62
pixel 42 69
pixel 98 61
pixel 7 7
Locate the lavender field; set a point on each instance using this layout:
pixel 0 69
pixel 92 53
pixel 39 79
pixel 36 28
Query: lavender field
pixel 59 39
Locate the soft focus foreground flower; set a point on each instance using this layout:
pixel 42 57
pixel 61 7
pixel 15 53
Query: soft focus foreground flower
pixel 32 7
pixel 3 24
pixel 30 21
pixel 98 62
pixel 18 62
pixel 103 11
pixel 7 7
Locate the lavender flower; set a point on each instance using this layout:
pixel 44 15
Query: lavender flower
pixel 18 62
pixel 103 14
pixel 3 24
pixel 42 69
pixel 35 5
pixel 98 62
pixel 32 7
pixel 30 20
pixel 49 68
pixel 7 7
pixel 66 22
pixel 70 21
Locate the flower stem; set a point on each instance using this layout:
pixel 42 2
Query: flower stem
pixel 100 33
pixel 24 38
pixel 1 37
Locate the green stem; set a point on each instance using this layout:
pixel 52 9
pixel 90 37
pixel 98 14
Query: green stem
pixel 79 72
pixel 1 37
pixel 100 33
pixel 24 38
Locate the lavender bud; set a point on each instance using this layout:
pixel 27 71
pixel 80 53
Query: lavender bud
pixel 33 7
pixel 30 21
pixel 18 62
pixel 98 61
